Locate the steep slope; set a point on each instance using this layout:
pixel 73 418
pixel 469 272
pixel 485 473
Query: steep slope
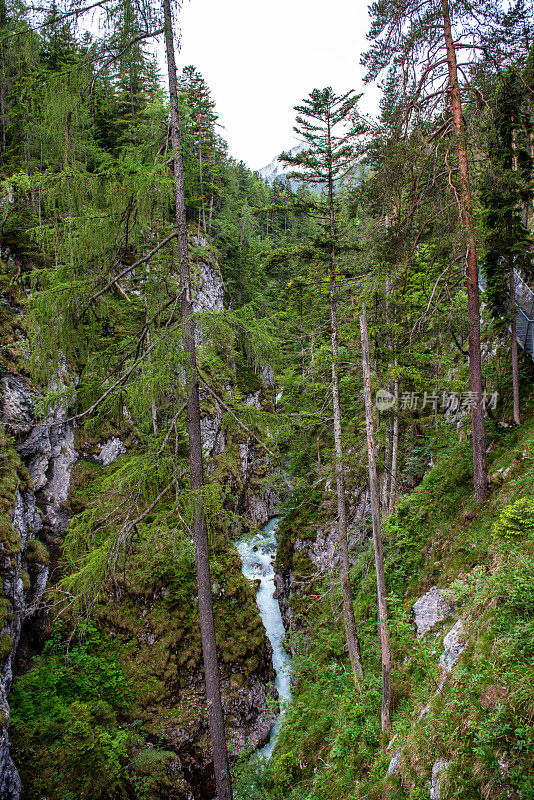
pixel 460 600
pixel 118 704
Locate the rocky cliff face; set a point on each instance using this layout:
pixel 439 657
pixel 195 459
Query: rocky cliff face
pixel 156 628
pixel 41 452
pixel 238 459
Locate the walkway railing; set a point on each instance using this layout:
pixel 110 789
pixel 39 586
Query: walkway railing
pixel 524 319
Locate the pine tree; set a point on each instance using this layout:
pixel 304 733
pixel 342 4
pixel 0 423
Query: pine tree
pixel 420 37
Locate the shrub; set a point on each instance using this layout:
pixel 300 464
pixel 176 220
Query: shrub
pixel 64 718
pixel 516 520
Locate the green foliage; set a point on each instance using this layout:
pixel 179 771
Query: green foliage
pixel 516 520
pixel 36 553
pixel 64 718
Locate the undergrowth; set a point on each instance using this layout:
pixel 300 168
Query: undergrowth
pixel 481 723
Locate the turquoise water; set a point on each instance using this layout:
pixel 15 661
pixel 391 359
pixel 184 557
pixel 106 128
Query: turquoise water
pixel 257 556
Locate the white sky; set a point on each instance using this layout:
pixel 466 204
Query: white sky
pixel 261 57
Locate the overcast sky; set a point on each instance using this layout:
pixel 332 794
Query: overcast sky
pixel 261 58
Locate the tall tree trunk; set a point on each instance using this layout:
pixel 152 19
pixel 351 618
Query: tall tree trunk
pixel 3 113
pixel 480 470
pixel 513 331
pixel 153 409
pixel 318 438
pixel 210 215
pixel 386 478
pixel 205 600
pixel 348 608
pixel 377 538
pixel 201 184
pixel 395 448
pixel 513 343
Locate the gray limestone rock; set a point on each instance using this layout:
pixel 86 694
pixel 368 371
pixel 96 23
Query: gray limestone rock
pixel 440 765
pixel 46 447
pixel 453 647
pixel 110 451
pixel 17 405
pixel 24 602
pixel 208 292
pixel 431 608
pixel 394 766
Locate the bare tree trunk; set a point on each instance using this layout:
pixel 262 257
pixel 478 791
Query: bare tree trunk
pixel 3 113
pixel 394 449
pixel 153 409
pixel 348 608
pixel 513 327
pixel 205 600
pixel 377 538
pixel 513 342
pixel 210 215
pixel 386 477
pixel 388 449
pixel 318 438
pixel 480 470
pixel 201 184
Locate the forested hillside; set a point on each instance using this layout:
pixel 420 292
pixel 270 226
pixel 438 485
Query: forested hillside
pixel 189 353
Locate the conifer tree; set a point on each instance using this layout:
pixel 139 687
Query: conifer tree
pixel 504 193
pixel 205 599
pixel 327 157
pixel 423 40
pixel 200 127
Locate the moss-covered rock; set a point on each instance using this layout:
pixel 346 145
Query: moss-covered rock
pixel 36 554
pixel 6 645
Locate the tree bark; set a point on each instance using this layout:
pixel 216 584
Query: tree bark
pixel 348 608
pixel 386 478
pixel 205 600
pixel 513 343
pixel 480 470
pixel 377 538
pixel 201 184
pixel 153 409
pixel 395 449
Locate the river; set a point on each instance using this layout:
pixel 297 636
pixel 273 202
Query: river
pixel 257 556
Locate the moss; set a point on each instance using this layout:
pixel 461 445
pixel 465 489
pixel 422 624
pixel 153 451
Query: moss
pixel 13 476
pixel 6 645
pixel 6 611
pixel 9 537
pixel 37 553
pixel 26 581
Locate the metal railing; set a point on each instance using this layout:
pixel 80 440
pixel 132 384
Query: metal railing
pixel 524 319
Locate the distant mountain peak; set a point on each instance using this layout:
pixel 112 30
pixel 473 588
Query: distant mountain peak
pixel 276 169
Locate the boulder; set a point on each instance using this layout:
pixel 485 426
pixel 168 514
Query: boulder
pixel 431 608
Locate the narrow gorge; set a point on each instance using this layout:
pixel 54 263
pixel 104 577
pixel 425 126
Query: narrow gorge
pixel 267 436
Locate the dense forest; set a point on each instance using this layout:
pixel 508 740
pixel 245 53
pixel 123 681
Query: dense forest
pixel 329 374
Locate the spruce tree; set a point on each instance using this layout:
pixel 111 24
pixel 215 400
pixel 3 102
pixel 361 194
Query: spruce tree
pixel 326 158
